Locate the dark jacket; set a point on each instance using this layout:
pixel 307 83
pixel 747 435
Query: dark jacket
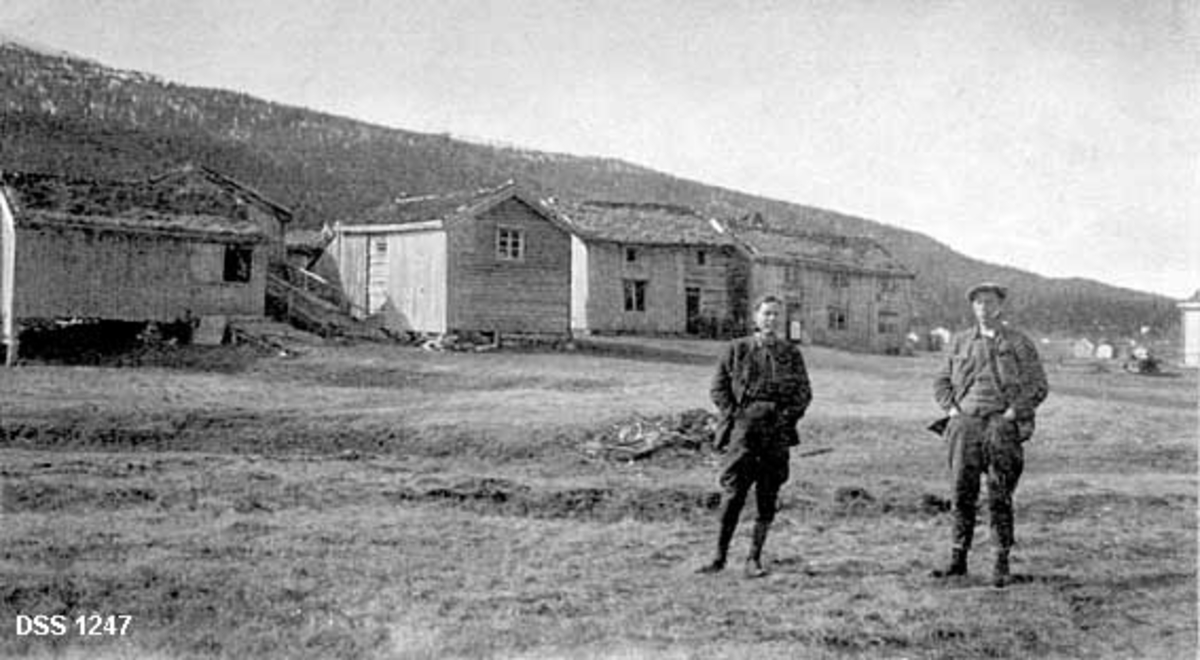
pixel 1022 380
pixel 742 378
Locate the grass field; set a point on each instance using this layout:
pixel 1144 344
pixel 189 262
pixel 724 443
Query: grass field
pixel 383 502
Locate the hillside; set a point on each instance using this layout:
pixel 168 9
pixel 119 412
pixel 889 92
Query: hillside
pixel 70 115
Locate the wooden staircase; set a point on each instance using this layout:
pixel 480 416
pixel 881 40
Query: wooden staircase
pixel 311 303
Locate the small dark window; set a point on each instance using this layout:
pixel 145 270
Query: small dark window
pixel 631 254
pixel 701 257
pixel 837 318
pixel 635 295
pixel 889 323
pixel 238 260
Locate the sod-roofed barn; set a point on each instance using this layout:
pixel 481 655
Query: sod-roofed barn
pixel 86 249
pixel 203 190
pixel 842 291
pixel 647 268
pixel 494 261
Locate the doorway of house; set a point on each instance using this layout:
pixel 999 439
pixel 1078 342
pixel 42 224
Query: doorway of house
pixel 692 309
pixel 795 321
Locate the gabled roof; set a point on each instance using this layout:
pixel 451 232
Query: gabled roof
pixel 181 176
pixel 832 251
pixel 449 205
pixel 175 192
pixel 39 199
pixel 641 223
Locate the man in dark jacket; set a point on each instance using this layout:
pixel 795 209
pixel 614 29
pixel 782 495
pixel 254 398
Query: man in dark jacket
pixel 990 384
pixel 761 388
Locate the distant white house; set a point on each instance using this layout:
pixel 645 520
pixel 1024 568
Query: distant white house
pixel 1083 348
pixel 941 337
pixel 1190 309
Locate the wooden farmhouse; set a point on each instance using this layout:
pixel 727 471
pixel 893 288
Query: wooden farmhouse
pixel 841 291
pixel 72 249
pixel 495 262
pixel 644 268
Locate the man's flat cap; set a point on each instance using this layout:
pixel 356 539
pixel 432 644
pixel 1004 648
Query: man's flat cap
pixel 1000 291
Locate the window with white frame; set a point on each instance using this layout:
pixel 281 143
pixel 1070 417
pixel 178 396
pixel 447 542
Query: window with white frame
pixel 510 244
pixel 840 280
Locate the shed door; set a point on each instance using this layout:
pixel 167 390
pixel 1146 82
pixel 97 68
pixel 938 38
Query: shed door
pixel 377 273
pixel 692 309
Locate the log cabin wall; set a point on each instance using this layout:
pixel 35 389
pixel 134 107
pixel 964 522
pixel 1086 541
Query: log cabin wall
pixel 497 287
pixel 838 307
pixel 64 272
pixel 656 270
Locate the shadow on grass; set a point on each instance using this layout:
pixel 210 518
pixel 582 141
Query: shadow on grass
pixel 124 344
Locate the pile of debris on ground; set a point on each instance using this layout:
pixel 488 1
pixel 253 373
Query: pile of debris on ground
pixel 276 337
pixel 688 433
pixel 482 342
pixel 472 342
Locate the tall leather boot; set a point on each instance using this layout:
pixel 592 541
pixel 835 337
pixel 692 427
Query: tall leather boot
pixel 729 521
pixel 754 567
pixel 1001 577
pixel 957 566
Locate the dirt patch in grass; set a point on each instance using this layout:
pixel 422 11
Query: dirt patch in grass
pixel 505 497
pixel 402 376
pixel 235 432
pixel 495 496
pixel 1103 504
pixel 43 496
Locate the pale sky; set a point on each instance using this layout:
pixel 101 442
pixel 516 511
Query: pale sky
pixel 1057 136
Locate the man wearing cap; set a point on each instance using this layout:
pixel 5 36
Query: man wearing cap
pixel 762 389
pixel 990 385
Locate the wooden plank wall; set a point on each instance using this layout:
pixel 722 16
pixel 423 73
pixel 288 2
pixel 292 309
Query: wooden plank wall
pixel 488 294
pixel 350 251
pixel 669 271
pixel 661 267
pixel 814 293
pixel 417 282
pixel 70 272
pixel 717 289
